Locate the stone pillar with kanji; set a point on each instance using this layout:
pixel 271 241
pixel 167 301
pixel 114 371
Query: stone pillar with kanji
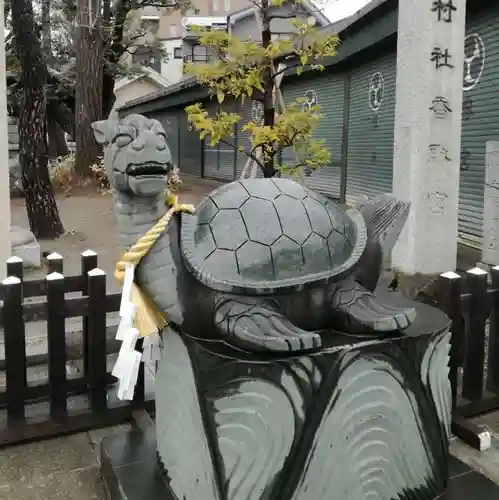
pixel 430 58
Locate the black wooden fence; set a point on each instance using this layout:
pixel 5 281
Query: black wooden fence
pixel 47 300
pixel 472 303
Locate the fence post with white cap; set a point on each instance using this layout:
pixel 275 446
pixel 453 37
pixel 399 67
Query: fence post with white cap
pixel 96 339
pixel 15 348
pixel 474 364
pixel 15 267
pixel 89 261
pixel 55 263
pixel 56 340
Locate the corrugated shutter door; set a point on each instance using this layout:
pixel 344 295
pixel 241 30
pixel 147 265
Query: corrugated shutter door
pixel 371 127
pixel 248 111
pixel 290 93
pixel 170 122
pixel 328 92
pixel 480 115
pixel 219 159
pixel 210 152
pixel 226 153
pixel 191 148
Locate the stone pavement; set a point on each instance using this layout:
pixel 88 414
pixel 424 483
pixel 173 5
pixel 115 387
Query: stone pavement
pixel 65 468
pixel 486 462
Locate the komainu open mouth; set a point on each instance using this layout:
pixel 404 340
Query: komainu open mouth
pixel 147 169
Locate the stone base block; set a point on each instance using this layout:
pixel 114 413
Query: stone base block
pixel 129 467
pixel 130 471
pixel 25 246
pixel 363 418
pixel 30 253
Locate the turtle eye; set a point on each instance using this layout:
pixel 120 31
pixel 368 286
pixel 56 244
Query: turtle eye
pixel 122 140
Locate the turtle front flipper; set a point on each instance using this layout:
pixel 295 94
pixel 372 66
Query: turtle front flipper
pixel 360 311
pixel 256 324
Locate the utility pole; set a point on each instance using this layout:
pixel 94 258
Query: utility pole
pixel 4 156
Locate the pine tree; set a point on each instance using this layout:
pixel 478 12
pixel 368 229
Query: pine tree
pixel 43 215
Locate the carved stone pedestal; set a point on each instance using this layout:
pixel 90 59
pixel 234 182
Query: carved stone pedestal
pixel 363 419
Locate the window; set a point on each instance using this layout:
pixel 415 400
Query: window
pixel 150 24
pixel 144 56
pixel 173 30
pixel 281 36
pixel 177 53
pixel 215 4
pixel 199 53
pixel 227 5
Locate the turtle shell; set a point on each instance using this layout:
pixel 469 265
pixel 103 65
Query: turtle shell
pixel 262 236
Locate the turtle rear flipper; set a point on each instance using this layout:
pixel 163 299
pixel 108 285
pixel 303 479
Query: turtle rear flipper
pixel 256 324
pixel 361 311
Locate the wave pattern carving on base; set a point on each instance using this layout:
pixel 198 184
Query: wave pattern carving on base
pixel 183 446
pixel 255 425
pixel 370 444
pixel 435 376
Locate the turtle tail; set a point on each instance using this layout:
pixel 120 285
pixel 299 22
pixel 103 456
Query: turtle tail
pixel 385 217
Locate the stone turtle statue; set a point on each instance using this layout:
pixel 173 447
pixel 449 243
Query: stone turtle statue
pixel 264 264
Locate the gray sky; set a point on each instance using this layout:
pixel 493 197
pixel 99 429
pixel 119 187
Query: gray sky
pixel 336 10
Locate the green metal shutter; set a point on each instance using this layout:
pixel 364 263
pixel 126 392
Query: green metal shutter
pixel 170 122
pixel 248 111
pixel 219 159
pixel 328 92
pixel 191 148
pixel 210 152
pixel 480 116
pixel 226 153
pixel 371 127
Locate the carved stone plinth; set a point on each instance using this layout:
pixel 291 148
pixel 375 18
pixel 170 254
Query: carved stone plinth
pixel 363 419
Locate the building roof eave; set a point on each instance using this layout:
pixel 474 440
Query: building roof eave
pixel 382 26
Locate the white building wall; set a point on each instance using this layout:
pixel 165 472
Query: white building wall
pixel 172 69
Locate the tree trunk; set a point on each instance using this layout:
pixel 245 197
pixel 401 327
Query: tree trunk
pixel 57 145
pixel 115 49
pixel 46 35
pixel 43 216
pixel 89 80
pixel 268 86
pixel 108 97
pixel 63 115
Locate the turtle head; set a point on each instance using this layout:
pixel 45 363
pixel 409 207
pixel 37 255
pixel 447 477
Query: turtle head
pixel 137 157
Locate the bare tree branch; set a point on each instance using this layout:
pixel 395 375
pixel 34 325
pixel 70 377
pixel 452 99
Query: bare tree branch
pixel 257 4
pixel 248 154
